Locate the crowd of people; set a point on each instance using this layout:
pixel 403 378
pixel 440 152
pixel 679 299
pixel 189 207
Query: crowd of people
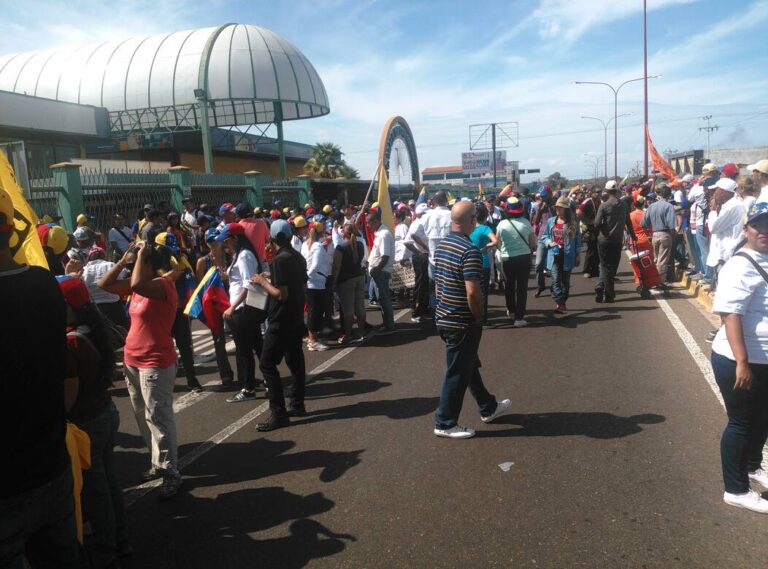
pixel 299 276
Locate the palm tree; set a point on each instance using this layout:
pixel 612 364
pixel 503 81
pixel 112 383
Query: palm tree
pixel 327 162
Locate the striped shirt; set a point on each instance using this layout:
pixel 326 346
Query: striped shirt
pixel 456 260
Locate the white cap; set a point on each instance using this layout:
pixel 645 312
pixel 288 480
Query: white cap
pixel 708 168
pixel 610 185
pixel 725 184
pixel 422 208
pixel 687 178
pixel 81 234
pixel 760 166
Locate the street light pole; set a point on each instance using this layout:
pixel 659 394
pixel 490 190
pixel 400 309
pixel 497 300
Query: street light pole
pixel 645 87
pixel 615 91
pixel 605 136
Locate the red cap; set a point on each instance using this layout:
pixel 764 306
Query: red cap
pixel 235 229
pixel 729 170
pixel 275 214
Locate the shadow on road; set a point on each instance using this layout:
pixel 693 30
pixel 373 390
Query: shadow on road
pixel 407 408
pixel 594 425
pixel 345 388
pixel 572 319
pixel 218 531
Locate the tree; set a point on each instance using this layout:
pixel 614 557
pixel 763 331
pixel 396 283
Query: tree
pixel 557 180
pixel 327 161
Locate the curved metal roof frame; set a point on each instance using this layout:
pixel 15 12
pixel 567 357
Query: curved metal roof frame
pixel 246 72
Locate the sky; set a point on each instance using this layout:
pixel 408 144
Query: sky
pixel 445 65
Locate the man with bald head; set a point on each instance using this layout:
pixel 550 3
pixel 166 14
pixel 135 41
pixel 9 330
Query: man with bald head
pixel 459 319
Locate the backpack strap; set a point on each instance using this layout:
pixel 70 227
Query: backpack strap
pixel 754 263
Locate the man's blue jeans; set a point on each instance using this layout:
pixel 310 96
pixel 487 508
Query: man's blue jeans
pixel 40 525
pixel 693 245
pixel 540 264
pixel 741 447
pixel 462 372
pixel 703 244
pixel 385 298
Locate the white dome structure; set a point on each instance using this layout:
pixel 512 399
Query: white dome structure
pixel 246 74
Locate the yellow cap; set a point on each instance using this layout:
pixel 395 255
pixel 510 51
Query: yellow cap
pixel 257 210
pixel 161 238
pixel 299 221
pixel 57 239
pixel 327 209
pixel 82 219
pixel 46 219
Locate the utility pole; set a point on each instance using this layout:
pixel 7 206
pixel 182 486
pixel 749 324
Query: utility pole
pixel 645 87
pixel 709 128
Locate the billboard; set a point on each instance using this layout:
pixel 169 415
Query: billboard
pixel 474 163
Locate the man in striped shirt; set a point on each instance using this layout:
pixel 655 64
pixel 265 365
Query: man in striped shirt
pixel 459 316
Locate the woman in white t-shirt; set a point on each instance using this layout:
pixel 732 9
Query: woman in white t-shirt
pixel 316 254
pixel 245 321
pixel 740 363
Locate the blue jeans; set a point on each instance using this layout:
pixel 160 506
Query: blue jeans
pixel 541 265
pixel 561 283
pixel 693 245
pixel 702 242
pixel 385 298
pixel 39 525
pixel 102 493
pixel 373 293
pixel 432 294
pixel 741 447
pixel 462 372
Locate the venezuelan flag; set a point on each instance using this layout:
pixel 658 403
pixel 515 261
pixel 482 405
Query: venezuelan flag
pixel 209 301
pixel 422 198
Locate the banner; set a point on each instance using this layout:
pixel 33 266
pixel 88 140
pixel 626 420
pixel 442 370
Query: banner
pixel 661 165
pixel 25 243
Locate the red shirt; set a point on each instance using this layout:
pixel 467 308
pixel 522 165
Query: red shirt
pixel 149 343
pixel 257 232
pixel 557 233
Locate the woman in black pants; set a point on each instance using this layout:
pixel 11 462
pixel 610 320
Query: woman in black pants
pixel 516 243
pixel 740 364
pixel 245 321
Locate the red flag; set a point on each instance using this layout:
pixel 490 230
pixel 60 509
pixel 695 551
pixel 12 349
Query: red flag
pixel 660 164
pixel 366 231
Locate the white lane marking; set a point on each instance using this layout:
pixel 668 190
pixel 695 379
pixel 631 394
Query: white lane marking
pixel 132 495
pixel 701 359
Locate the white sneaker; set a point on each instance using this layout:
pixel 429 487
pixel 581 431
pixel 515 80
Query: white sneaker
pixel 457 432
pixel 749 501
pixel 520 324
pixel 501 408
pixel 316 347
pixel 760 476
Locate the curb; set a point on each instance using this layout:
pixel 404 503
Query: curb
pixel 702 293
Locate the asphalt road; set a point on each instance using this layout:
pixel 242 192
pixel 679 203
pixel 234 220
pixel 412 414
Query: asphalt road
pixel 610 457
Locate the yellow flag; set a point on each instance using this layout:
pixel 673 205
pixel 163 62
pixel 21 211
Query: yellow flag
pixel 450 197
pixel 385 204
pixel 25 244
pixel 480 193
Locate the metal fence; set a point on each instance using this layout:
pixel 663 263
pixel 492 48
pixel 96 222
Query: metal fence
pixel 45 200
pixel 287 195
pixel 103 201
pixel 216 195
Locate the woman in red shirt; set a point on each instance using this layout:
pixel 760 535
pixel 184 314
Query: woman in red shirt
pixel 643 235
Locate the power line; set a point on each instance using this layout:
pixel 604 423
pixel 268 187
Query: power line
pixel 572 132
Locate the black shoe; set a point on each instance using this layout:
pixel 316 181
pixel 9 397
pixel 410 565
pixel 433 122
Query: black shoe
pixel 539 292
pixel 226 385
pixel 598 296
pixel 296 410
pixel 275 421
pixel 151 474
pixel 610 299
pixel 194 386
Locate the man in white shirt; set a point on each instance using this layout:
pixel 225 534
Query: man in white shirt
pixel 420 260
pixel 380 263
pixel 760 173
pixel 109 304
pixel 190 214
pixel 434 227
pixel 120 237
pixel 725 221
